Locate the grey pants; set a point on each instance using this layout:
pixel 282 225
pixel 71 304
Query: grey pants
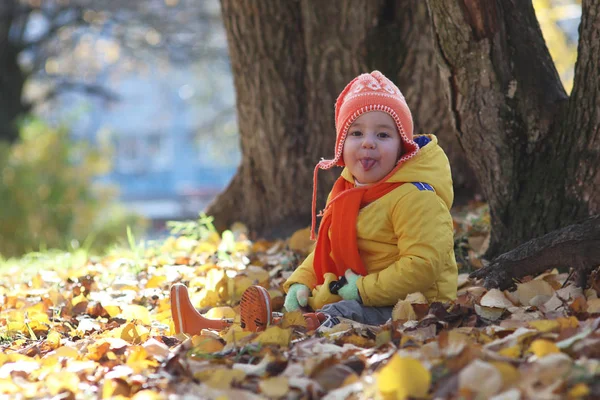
pixel 352 309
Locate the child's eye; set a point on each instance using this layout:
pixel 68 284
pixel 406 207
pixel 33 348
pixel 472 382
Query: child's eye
pixel 356 133
pixel 383 134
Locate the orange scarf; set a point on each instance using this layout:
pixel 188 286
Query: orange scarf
pixel 341 242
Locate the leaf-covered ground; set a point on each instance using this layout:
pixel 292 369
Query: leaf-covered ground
pixel 101 327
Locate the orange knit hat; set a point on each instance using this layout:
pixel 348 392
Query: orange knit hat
pixel 365 93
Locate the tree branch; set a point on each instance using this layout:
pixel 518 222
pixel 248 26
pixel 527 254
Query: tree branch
pixel 576 246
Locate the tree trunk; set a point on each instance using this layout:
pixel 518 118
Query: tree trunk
pixel 12 78
pixel 534 150
pixel 290 60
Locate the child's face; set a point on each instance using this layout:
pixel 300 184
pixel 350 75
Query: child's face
pixel 372 147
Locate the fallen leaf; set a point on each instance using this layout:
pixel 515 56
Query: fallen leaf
pixel 220 313
pixel 133 333
pixel 294 318
pixel 136 312
pixel 593 306
pixel 403 311
pixel 275 387
pixel 405 377
pixel 545 325
pixel 578 391
pixel 489 313
pixel 529 290
pixel 234 334
pixel 220 378
pixel 481 378
pixel 496 299
pixel 541 347
pixel 275 335
pixel 206 345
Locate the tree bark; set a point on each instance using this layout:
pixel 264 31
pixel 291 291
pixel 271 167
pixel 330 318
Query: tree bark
pixel 290 60
pixel 534 150
pixel 12 78
pixel 576 246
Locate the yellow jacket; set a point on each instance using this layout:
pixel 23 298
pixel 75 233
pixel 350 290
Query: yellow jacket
pixel 405 238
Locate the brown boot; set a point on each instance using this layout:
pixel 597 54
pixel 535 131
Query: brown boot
pixel 185 316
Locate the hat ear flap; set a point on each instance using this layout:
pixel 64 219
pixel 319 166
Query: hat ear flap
pixel 340 99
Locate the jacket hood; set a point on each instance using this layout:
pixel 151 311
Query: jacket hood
pixel 430 165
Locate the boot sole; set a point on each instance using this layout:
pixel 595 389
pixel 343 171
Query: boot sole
pixel 255 309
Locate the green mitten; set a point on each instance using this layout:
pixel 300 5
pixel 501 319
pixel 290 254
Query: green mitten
pixel 296 297
pixel 349 291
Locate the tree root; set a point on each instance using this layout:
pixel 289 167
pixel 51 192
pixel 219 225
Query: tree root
pixel 575 246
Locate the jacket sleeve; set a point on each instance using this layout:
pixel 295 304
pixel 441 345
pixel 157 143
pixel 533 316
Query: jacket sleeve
pixel 424 229
pixel 305 274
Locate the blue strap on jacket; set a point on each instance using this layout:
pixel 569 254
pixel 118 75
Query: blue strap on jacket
pixel 422 141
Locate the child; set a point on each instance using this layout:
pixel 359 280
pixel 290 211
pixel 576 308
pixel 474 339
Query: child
pixel 386 229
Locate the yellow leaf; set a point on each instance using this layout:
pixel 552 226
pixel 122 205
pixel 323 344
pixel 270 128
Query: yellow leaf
pixel 294 318
pixel 404 376
pixel 416 298
pixel 112 310
pixel 274 387
pixel 8 387
pixel 147 395
pixel 40 319
pixel 220 313
pixel 220 378
pixel 578 391
pixel 216 280
pixel 570 322
pixel 234 334
pixel 300 241
pixel 134 334
pixel 16 326
pixel 358 340
pixel 134 311
pixel 593 306
pixel 156 281
pixel 137 359
pixel 510 375
pixel 79 299
pixel 53 340
pixel 67 351
pixel 239 284
pixel 403 311
pixel 541 347
pixel 206 344
pixel 113 388
pixel 512 351
pixel 275 335
pixel 205 298
pixel 545 325
pixel 59 381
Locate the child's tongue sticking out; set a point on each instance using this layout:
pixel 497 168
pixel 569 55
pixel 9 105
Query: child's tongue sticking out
pixel 367 163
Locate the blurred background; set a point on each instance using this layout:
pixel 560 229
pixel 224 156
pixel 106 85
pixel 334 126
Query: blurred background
pixel 121 113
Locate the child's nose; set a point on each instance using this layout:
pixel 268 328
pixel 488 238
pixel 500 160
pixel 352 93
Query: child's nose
pixel 368 142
